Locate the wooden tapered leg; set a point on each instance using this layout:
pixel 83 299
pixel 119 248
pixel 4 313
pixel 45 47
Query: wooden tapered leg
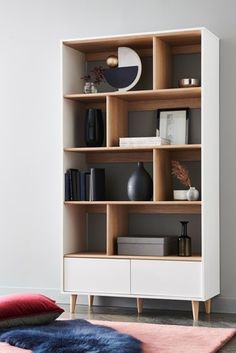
pixel 90 300
pixel 208 306
pixel 73 299
pixel 140 305
pixel 195 310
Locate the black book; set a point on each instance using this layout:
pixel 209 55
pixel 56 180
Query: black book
pixel 97 184
pixel 73 183
pixel 87 186
pixel 84 185
pixel 67 187
pixel 78 192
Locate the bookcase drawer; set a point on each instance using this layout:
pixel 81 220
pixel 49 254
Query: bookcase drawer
pixel 97 276
pixel 166 278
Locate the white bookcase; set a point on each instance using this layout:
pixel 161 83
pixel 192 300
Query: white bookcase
pixel 103 272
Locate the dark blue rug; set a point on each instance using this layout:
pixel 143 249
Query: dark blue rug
pixel 70 336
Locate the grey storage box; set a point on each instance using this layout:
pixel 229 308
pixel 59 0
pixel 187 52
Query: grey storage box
pixel 148 246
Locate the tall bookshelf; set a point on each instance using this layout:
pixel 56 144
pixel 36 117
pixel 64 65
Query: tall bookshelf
pixel 97 270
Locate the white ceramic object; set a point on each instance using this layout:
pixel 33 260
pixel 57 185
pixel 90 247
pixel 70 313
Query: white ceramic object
pixel 192 194
pixel 129 57
pixel 180 195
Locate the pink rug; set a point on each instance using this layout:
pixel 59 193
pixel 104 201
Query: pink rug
pixel 175 339
pixel 164 338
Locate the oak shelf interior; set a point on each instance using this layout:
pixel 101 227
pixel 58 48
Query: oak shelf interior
pixel 142 207
pixel 91 228
pixel 117 107
pixel 144 203
pixel 104 256
pixel 99 49
pixel 165 94
pixel 132 149
pixel 115 154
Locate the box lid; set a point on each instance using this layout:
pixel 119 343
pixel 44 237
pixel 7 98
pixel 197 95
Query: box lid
pixel 145 240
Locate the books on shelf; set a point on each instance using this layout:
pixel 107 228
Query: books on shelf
pixel 88 185
pixel 143 141
pixel 72 185
pixel 84 185
pixel 97 184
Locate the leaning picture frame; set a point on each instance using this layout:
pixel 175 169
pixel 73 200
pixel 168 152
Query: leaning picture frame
pixel 173 124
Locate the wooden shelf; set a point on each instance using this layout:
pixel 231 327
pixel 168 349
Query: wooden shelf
pixel 132 149
pixel 142 100
pixel 104 256
pixel 133 154
pixel 128 203
pixel 163 94
pixel 162 207
pixel 101 44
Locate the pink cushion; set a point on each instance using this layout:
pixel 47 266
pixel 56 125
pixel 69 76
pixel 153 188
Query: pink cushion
pixel 27 309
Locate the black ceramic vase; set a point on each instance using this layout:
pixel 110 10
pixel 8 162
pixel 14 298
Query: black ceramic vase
pixel 139 187
pixel 94 129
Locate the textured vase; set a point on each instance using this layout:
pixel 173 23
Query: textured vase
pixel 192 194
pixel 139 187
pixel 94 128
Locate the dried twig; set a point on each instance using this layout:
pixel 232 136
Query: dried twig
pixel 181 173
pixel 96 75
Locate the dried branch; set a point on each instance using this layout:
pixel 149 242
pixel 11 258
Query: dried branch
pixel 181 173
pixel 96 75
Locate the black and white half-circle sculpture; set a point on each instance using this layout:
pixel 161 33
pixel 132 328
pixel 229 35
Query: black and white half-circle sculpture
pixel 126 75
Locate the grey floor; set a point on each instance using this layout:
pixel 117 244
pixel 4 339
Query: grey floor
pixel 156 317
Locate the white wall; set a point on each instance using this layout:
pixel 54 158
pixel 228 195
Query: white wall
pixel 30 130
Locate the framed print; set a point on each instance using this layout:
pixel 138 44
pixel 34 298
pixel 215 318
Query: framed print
pixel 173 125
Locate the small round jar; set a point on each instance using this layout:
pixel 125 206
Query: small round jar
pixel 188 82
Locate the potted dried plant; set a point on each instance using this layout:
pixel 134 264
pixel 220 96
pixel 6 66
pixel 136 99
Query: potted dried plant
pixel 182 174
pixel 93 79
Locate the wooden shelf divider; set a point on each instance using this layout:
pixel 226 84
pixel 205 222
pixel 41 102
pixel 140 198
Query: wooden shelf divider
pixel 162 175
pixel 117 120
pixel 161 64
pixel 117 225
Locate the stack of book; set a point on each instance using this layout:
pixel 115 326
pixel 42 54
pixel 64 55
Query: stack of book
pixel 143 141
pixel 85 185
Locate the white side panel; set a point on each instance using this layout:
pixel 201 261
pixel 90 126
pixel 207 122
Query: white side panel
pixel 97 276
pixel 73 63
pixel 166 278
pixel 73 68
pixel 210 164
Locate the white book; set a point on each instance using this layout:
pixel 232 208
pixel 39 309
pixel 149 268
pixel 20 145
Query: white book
pixel 143 141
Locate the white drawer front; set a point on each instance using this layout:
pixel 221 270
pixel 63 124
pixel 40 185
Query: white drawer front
pixel 166 278
pixel 97 275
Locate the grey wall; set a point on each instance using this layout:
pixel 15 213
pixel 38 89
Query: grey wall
pixel 30 131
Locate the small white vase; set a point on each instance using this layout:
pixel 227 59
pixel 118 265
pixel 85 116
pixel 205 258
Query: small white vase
pixel 192 194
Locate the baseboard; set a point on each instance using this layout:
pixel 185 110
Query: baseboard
pixel 220 304
pixel 224 305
